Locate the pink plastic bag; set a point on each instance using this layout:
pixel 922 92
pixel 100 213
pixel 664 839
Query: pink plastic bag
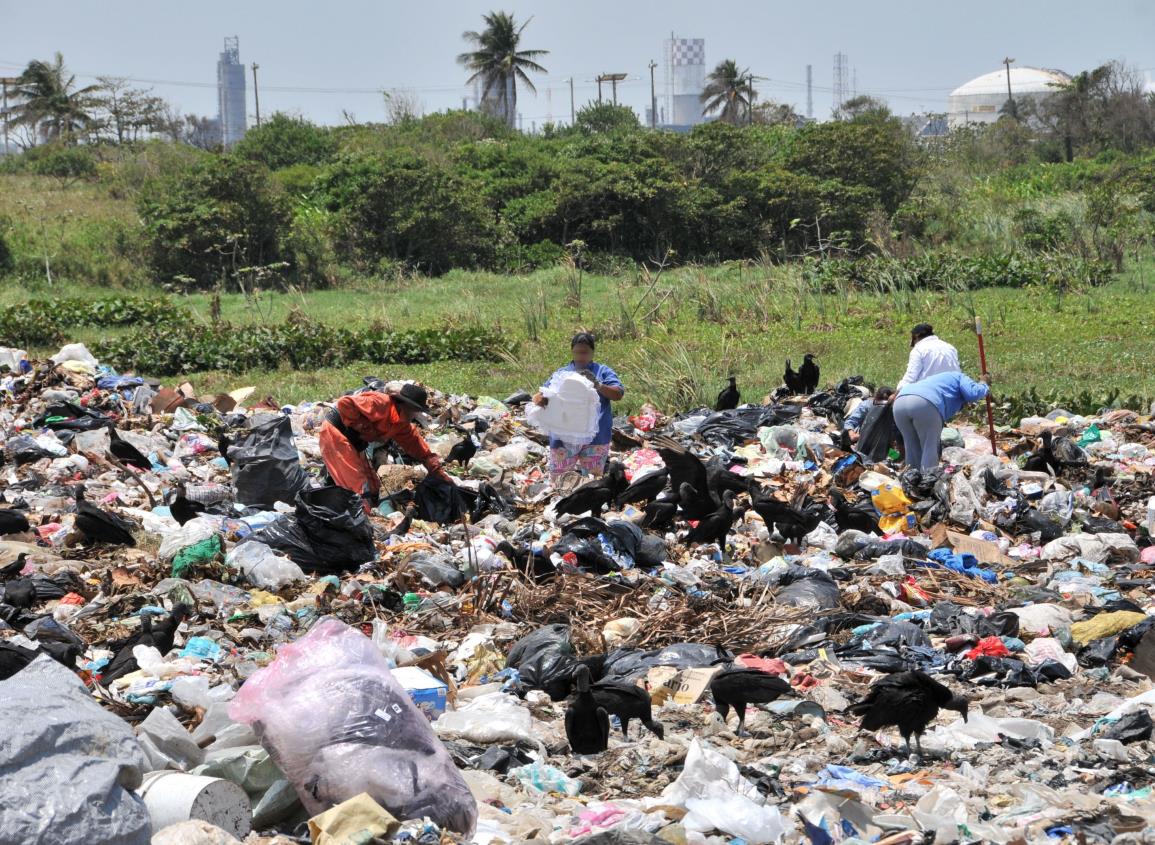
pixel 333 718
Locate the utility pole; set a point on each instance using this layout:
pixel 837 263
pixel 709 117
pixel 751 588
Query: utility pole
pixel 572 110
pixel 653 97
pixel 5 81
pixel 599 90
pixel 1010 99
pixel 256 93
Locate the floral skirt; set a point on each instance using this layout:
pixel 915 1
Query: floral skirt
pixel 588 460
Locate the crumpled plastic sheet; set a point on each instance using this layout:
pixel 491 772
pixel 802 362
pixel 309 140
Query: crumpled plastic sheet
pixel 69 767
pixel 718 797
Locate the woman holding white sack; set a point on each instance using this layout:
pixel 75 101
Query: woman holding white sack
pixel 588 457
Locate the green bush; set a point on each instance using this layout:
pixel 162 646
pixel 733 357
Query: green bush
pixel 946 271
pixel 215 222
pixel 298 342
pixel 283 141
pixel 44 322
pixel 64 162
pixel 402 206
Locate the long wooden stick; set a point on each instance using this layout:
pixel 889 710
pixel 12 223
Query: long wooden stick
pixel 983 364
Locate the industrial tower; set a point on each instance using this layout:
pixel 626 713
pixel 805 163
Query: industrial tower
pixel 231 93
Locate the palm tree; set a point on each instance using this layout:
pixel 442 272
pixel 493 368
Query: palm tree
pixel 499 64
pixel 49 102
pixel 729 89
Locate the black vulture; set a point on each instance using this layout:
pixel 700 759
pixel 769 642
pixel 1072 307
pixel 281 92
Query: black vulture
pixel 462 453
pixel 793 380
pixel 808 374
pixel 660 513
pixel 627 701
pixel 857 517
pixel 13 521
pixel 719 479
pixel 596 494
pixel 587 725
pixel 126 453
pixel 644 489
pixel 792 523
pixel 1044 459
pixel 736 687
pixel 184 509
pixel 99 526
pixel 715 527
pixel 686 468
pixel 729 397
pixel 160 635
pixel 909 701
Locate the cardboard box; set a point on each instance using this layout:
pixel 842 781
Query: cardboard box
pixel 428 693
pixel 984 550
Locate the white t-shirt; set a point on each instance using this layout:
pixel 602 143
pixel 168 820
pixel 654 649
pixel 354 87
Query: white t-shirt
pixel 929 357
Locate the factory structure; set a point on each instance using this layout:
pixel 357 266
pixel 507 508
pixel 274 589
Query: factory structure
pixel 982 99
pixel 231 114
pixel 685 72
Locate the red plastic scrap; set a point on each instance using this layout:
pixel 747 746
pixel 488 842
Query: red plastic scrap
pixel 989 647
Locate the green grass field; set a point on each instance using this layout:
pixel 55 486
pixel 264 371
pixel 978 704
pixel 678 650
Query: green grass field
pixel 675 343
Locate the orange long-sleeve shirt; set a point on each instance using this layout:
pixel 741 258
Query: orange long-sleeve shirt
pixel 375 417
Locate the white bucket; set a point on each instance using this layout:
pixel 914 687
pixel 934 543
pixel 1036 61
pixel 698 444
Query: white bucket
pixel 174 797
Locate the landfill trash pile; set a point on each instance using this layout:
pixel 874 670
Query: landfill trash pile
pixel 741 633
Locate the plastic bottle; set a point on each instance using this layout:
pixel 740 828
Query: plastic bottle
pixel 1151 516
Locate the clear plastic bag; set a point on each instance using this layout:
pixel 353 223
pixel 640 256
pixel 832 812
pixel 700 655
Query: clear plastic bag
pixel 337 723
pixel 262 567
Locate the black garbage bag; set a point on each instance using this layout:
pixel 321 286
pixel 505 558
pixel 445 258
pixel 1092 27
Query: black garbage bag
pixel 877 433
pixel 335 521
pixel 1135 726
pixel 596 543
pixel 731 428
pixel 891 635
pixel 876 549
pixel 808 588
pixel 1048 525
pixel 1102 525
pixel 919 485
pixel 440 501
pixel 589 553
pixel 652 552
pixel 545 660
pixel 887 661
pixel 265 465
pixel 68 416
pixel 23 449
pixel 57 640
pixel 1051 670
pixel 1003 623
pixel 1097 653
pixel 14 657
pixel 328 532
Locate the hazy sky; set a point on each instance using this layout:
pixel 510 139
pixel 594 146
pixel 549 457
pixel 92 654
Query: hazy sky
pixel 908 53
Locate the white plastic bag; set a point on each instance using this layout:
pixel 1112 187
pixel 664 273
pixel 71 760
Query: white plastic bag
pixel 337 724
pixel 487 719
pixel 192 532
pixel 262 567
pixel 572 412
pixel 717 797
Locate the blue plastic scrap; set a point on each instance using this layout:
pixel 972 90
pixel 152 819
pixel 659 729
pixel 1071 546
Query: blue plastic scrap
pixel 964 564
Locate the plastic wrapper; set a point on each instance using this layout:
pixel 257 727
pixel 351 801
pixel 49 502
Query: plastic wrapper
pixel 337 724
pixel 265 465
pixel 262 567
pixel 70 767
pixel 964 502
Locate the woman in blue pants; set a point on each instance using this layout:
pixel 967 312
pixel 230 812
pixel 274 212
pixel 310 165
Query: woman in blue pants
pixel 922 409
